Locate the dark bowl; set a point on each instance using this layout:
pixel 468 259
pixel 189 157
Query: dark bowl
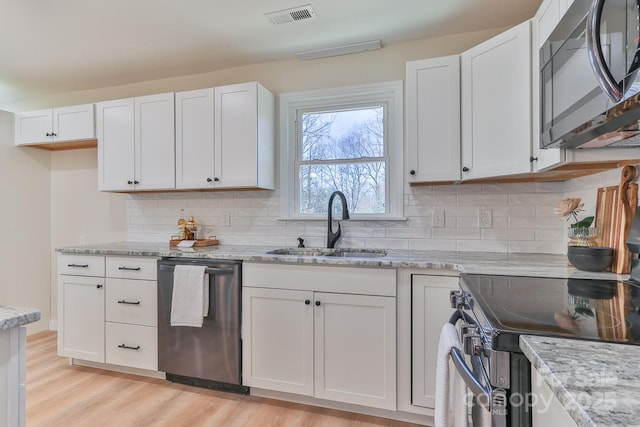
pixel 590 250
pixel 590 262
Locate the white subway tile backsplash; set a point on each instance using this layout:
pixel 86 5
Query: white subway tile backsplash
pixel 432 245
pixel 523 218
pixel 534 222
pixel 508 234
pixel 483 199
pixel 483 245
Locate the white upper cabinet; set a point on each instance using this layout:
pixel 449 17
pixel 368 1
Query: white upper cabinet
pixel 433 119
pixel 225 138
pixel 155 142
pixel 136 141
pixel 496 105
pixel 542 26
pixel 244 133
pixel 194 139
pixel 73 123
pixel 115 129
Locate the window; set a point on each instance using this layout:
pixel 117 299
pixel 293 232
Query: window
pixel 348 139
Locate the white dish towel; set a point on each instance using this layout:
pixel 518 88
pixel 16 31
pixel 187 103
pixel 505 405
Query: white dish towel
pixel 451 399
pixel 190 297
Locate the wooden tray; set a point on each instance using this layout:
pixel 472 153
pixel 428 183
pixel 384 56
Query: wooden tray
pixel 199 243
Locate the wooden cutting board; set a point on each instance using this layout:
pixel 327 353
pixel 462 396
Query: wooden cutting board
pixel 615 208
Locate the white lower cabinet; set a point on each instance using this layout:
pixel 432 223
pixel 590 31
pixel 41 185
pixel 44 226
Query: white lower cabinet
pixel 278 350
pixel 547 409
pixel 355 359
pixel 430 310
pixel 135 346
pixel 81 311
pixel 108 310
pixel 13 359
pixel 329 345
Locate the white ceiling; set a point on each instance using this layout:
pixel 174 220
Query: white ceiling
pixel 54 46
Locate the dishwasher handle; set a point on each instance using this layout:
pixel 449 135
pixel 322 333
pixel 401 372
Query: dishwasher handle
pixel 209 270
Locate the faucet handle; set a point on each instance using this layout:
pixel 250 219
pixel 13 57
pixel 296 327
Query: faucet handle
pixel 300 242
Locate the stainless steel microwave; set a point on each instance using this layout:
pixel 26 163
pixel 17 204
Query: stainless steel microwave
pixel 589 84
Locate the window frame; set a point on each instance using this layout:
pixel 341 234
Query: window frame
pixel 390 95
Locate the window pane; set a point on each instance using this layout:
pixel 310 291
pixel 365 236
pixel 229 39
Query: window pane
pixel 363 184
pixel 347 134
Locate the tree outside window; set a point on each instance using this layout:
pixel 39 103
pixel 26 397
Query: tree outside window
pixel 342 150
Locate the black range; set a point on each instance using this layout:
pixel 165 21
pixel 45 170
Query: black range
pixel 592 309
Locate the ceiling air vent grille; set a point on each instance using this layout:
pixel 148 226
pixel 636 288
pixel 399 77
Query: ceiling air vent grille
pixel 300 13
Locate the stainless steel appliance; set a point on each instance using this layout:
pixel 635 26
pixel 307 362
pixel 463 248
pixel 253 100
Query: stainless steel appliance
pixel 496 310
pixel 209 356
pixel 589 77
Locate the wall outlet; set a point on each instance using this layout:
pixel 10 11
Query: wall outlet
pixel 484 218
pixel 226 219
pixel 437 218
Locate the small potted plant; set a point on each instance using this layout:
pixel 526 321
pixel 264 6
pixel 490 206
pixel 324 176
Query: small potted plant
pixel 580 232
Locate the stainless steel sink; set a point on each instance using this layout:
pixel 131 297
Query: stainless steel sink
pixel 338 253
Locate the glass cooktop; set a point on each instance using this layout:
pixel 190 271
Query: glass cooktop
pixel 508 306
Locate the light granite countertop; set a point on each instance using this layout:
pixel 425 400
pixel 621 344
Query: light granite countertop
pixel 597 383
pixel 543 265
pixel 12 317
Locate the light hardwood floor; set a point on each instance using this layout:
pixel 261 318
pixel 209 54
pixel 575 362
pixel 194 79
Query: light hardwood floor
pixel 60 395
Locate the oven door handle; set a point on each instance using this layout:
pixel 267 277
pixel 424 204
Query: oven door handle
pixel 461 315
pixel 482 393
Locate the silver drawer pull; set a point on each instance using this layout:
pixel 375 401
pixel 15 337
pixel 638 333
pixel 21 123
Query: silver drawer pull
pixel 129 268
pixel 129 347
pixel 128 302
pixel 78 265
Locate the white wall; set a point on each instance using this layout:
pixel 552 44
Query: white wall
pixel 385 64
pixel 24 215
pixel 79 213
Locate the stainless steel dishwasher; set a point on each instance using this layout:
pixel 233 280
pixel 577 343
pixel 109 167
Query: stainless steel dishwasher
pixel 209 356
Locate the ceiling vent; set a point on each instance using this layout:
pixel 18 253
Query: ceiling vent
pixel 300 13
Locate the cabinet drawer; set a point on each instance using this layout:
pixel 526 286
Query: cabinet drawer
pixel 132 345
pixel 132 301
pixel 352 280
pixel 132 268
pixel 81 265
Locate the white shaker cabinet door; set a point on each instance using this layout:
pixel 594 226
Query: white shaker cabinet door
pixel 244 135
pixel 195 139
pixel 155 142
pixel 81 314
pixel 433 119
pixel 430 312
pixel 236 135
pixel 542 24
pixel 74 123
pixel 496 105
pixel 355 349
pixel 33 127
pixel 278 339
pixel 115 130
